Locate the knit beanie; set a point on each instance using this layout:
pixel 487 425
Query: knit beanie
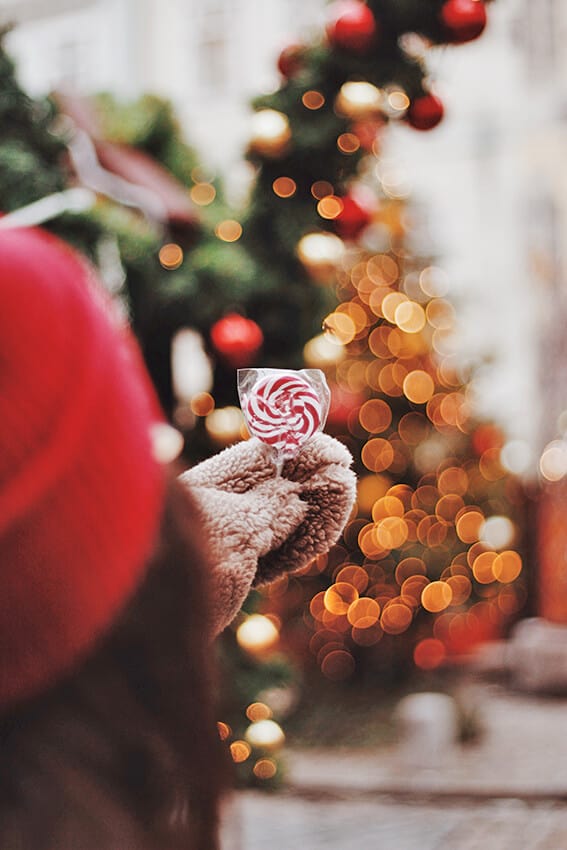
pixel 80 490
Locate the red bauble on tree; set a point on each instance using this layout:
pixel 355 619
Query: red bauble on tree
pixel 236 339
pixel 291 60
pixel 463 20
pixel 352 26
pixel 352 219
pixel 425 112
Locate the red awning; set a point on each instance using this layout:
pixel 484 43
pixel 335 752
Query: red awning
pixel 131 164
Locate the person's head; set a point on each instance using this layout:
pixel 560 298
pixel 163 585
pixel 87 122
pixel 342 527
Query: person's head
pixel 106 727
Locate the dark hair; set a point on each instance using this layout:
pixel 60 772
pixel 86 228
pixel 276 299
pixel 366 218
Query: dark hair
pixel 124 754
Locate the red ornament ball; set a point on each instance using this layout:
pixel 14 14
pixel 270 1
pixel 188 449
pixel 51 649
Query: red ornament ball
pixel 291 60
pixel 237 339
pixel 352 26
pixel 425 112
pixel 352 219
pixel 464 20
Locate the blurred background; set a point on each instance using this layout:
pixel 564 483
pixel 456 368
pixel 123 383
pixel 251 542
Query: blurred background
pixel 375 190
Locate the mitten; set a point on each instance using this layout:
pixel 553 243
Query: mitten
pixel 327 487
pixel 260 524
pixel 239 528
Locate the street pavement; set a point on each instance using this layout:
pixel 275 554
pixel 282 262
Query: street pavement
pixel 260 821
pixel 508 791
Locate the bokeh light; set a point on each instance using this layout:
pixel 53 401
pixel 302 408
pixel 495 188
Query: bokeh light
pixel 265 768
pixel 257 633
pixel 170 256
pixel 229 230
pixel 313 99
pixel 203 194
pixel 284 187
pixel 265 734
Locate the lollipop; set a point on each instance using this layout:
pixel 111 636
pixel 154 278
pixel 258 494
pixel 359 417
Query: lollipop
pixel 283 408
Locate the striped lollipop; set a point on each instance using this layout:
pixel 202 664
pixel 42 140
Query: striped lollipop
pixel 283 410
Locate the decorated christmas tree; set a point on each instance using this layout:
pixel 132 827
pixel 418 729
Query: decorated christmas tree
pixel 429 565
pixel 316 270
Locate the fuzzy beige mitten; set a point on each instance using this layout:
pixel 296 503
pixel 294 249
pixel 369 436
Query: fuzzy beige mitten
pixel 260 524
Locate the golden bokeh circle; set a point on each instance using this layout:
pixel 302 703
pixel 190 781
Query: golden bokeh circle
pixel 396 618
pixel 418 386
pixel 437 596
pixel 339 597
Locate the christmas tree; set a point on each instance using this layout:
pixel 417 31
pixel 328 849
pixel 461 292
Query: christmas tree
pixel 431 554
pixel 429 563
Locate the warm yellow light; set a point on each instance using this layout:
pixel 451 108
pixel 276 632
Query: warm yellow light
pixel 313 99
pixel 340 328
pixel 202 404
pixel 391 532
pixel 363 613
pixel 240 751
pixel 265 735
pixel 203 194
pixel 224 730
pixel 323 351
pixel 224 425
pixel 229 230
pixel 265 769
pixel 320 253
pixel 330 207
pixel 339 597
pixel 270 132
pixel 171 256
pixel 257 633
pixel 410 317
pixel 390 304
pixel 436 596
pixel 358 99
pixel 348 143
pixel 468 525
pixel 398 100
pixel 284 187
pixel 258 711
pixel 507 566
pixel 483 567
pixel 418 386
pixel 377 454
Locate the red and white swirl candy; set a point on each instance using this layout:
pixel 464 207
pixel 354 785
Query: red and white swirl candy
pixel 283 410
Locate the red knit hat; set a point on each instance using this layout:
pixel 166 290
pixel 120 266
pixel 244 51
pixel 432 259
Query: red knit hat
pixel 80 491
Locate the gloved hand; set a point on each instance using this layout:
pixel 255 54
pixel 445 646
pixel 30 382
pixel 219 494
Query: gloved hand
pixel 260 524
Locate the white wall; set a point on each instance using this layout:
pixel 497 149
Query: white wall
pixel 90 46
pixel 477 175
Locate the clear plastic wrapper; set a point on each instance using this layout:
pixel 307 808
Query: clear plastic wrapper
pixel 283 407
